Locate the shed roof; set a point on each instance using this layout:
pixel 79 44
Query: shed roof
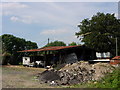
pixel 116 57
pixel 52 48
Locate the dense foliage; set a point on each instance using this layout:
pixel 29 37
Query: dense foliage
pixel 56 43
pixel 100 32
pixel 111 80
pixel 72 44
pixel 12 44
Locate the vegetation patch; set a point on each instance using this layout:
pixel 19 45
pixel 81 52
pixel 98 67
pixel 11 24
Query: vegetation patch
pixel 111 80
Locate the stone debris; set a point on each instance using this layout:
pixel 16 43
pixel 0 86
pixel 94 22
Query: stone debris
pixel 76 73
pixel 49 76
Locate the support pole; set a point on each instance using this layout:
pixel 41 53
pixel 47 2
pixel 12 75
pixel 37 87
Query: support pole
pixel 116 47
pixel 48 40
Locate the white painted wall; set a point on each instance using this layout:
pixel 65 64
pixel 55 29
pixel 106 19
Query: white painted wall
pixel 26 60
pixel 103 55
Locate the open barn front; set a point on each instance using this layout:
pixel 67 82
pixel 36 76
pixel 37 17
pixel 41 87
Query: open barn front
pixel 52 56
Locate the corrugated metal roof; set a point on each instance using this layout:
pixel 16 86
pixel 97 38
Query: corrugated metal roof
pixel 116 58
pixel 53 48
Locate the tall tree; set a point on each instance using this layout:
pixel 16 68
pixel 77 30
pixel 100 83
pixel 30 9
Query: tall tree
pixel 72 44
pixel 56 43
pixel 100 32
pixel 12 44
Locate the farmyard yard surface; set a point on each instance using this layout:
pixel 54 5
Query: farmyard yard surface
pixel 21 77
pixel 26 77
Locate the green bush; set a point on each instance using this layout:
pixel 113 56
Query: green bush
pixel 111 80
pixel 5 58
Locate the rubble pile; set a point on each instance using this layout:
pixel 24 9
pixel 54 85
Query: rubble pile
pixel 76 73
pixel 49 75
pixel 101 69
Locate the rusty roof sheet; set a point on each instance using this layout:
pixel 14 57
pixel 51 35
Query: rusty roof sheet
pixel 52 48
pixel 116 57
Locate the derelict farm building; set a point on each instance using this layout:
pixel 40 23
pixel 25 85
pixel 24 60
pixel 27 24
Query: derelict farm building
pixel 59 54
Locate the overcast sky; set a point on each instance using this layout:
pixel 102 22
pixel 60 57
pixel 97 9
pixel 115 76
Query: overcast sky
pixel 38 21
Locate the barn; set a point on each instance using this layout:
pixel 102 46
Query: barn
pixel 54 55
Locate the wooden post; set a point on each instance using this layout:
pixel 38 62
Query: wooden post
pixel 45 59
pixel 116 48
pixel 59 57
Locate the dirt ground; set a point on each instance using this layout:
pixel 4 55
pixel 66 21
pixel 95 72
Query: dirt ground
pixel 21 77
pixel 26 77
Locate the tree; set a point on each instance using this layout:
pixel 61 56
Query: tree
pixel 56 43
pixel 12 44
pixel 100 32
pixel 72 44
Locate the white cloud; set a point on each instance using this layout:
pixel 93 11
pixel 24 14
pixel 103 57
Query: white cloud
pixel 60 0
pixel 56 32
pixel 64 34
pixel 51 13
pixel 12 8
pixel 55 17
pixel 17 11
pixel 13 5
pixel 23 19
pixel 27 19
pixel 14 18
pixel 6 13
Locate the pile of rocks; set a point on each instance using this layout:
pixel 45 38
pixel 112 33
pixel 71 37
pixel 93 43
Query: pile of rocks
pixel 76 73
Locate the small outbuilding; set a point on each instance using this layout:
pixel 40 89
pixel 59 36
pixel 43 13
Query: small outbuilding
pixel 115 60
